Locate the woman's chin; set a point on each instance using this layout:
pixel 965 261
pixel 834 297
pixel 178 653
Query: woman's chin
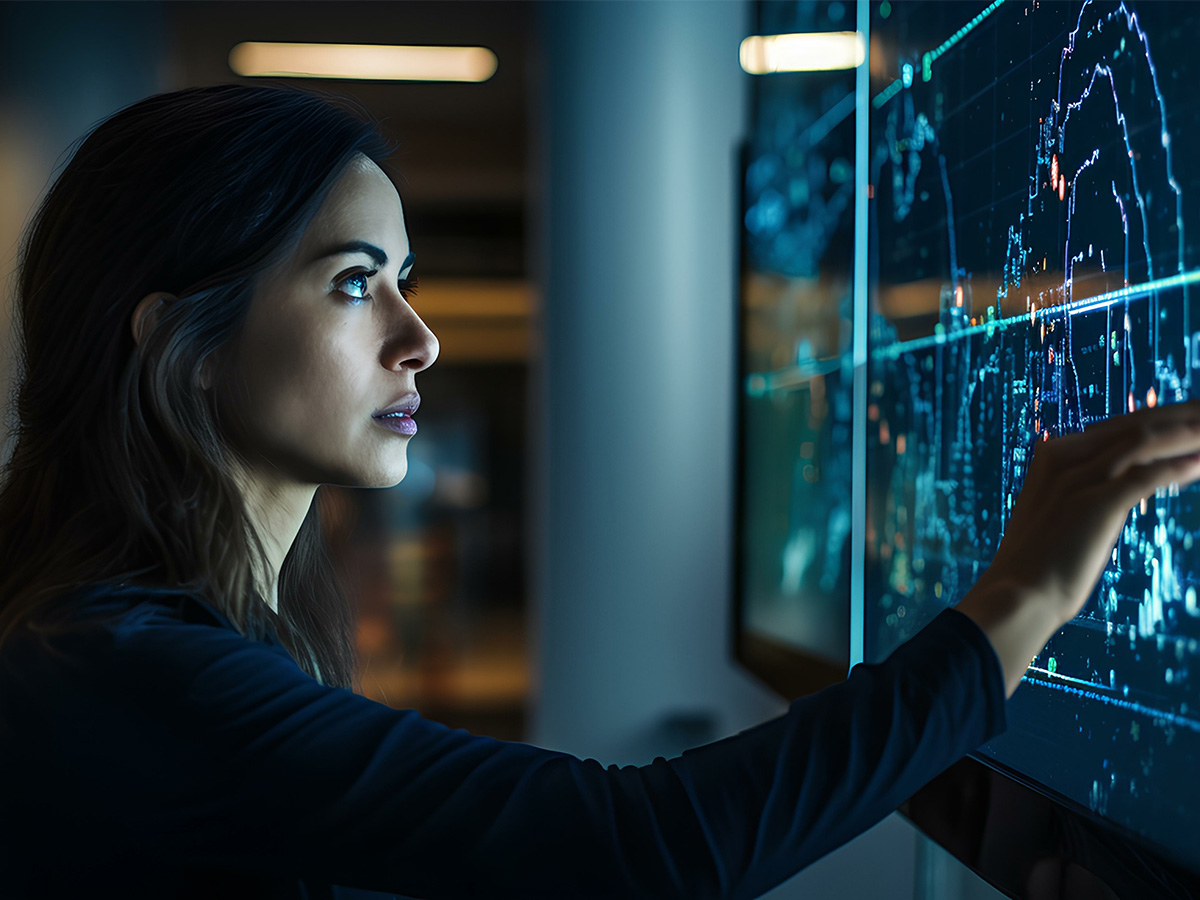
pixel 391 477
pixel 383 472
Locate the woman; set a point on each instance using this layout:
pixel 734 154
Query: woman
pixel 213 320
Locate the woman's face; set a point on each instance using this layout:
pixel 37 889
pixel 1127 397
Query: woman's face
pixel 329 344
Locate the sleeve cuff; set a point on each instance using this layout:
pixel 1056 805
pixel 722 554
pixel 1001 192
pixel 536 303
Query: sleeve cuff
pixel 952 625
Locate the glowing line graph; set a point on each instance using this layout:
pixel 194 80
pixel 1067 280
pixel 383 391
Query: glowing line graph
pixel 1133 25
pixel 887 93
pixel 1138 194
pixel 1013 268
pixel 1068 207
pixel 1119 702
pixel 817 131
pixel 931 56
pixel 1089 304
pixel 1016 253
pixel 918 135
pixel 757 384
pixel 1052 675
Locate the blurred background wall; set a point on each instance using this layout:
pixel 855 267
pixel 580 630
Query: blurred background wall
pixel 59 75
pixel 556 566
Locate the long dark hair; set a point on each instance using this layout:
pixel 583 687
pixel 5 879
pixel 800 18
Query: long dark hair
pixel 121 469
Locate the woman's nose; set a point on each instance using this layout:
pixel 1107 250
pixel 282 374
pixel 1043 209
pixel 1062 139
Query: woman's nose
pixel 411 344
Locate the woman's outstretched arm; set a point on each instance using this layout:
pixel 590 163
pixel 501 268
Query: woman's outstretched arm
pixel 178 746
pixel 174 745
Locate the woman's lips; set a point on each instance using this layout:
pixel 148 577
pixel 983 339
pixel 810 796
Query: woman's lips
pixel 399 423
pixel 406 403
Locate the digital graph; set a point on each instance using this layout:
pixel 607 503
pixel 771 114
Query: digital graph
pixel 1033 269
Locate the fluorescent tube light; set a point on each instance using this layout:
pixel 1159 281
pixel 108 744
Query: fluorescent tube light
pixel 807 52
pixel 375 62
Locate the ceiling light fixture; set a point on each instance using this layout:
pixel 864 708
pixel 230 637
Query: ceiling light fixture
pixel 371 62
pixel 806 52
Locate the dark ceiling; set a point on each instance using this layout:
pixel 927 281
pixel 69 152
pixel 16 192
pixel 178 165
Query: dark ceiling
pixel 461 165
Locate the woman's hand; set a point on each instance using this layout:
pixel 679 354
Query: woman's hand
pixel 1077 494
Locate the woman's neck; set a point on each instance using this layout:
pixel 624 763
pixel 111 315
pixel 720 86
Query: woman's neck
pixel 276 508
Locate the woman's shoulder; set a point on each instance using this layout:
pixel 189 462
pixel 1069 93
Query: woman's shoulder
pixel 109 626
pixel 129 603
pixel 112 658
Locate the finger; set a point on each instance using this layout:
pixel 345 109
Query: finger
pixel 1123 434
pixel 1068 448
pixel 1150 441
pixel 1134 439
pixel 1189 410
pixel 1079 461
pixel 1139 481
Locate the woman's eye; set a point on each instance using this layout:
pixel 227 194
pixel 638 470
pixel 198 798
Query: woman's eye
pixel 407 286
pixel 354 279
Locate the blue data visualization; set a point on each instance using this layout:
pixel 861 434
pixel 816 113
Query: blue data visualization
pixel 1034 178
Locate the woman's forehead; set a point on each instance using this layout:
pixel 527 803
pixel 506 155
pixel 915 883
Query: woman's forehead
pixel 362 206
pixel 362 190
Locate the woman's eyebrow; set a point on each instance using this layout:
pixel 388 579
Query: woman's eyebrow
pixel 377 255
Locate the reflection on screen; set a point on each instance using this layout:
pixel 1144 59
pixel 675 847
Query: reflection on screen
pixel 1033 260
pixel 796 376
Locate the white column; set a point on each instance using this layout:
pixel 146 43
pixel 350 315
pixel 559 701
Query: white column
pixel 644 105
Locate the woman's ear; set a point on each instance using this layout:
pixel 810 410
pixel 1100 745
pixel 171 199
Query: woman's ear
pixel 145 314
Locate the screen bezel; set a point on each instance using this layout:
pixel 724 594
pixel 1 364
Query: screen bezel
pixel 1002 825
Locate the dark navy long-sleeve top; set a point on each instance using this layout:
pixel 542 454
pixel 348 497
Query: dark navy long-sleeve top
pixel 158 752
